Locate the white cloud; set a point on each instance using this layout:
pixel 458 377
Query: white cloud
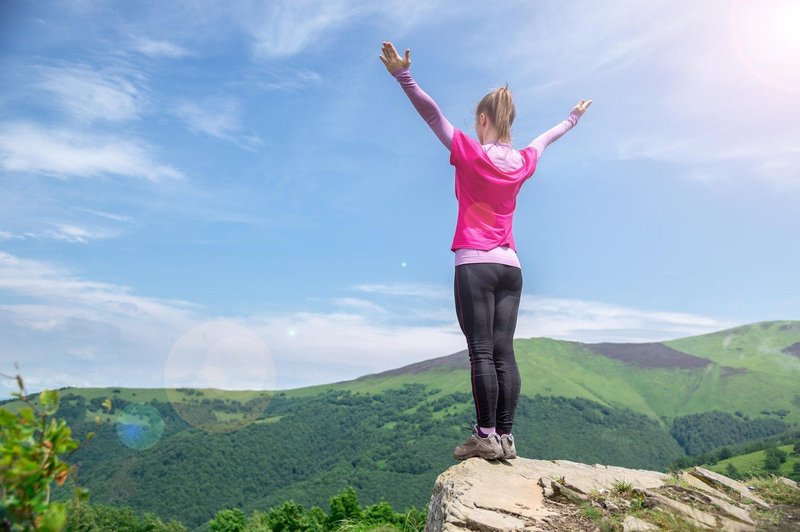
pixel 108 215
pixel 159 48
pixel 29 148
pixel 103 334
pixel 90 94
pixel 6 235
pixel 283 28
pixel 595 321
pixel 278 77
pixel 54 284
pixel 405 290
pixel 218 117
pixel 77 234
pixel 358 304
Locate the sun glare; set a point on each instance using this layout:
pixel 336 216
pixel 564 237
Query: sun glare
pixel 766 37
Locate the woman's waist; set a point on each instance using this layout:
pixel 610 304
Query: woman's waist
pixel 499 251
pixel 501 254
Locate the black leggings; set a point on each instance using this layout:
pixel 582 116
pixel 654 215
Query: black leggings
pixel 487 301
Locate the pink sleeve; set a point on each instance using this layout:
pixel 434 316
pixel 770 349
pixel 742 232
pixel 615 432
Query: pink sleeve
pixel 457 147
pixel 426 107
pixel 554 133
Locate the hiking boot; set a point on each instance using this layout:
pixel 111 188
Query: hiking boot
pixel 507 443
pixel 488 447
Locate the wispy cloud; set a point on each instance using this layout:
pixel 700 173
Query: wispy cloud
pixel 82 235
pixel 284 28
pixel 7 235
pixel 218 117
pixel 596 321
pixel 64 232
pixel 278 77
pixel 29 148
pixel 109 215
pixel 405 290
pixel 104 334
pixel 88 93
pixel 158 48
pixel 52 283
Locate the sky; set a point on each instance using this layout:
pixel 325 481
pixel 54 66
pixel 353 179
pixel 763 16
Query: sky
pixel 239 195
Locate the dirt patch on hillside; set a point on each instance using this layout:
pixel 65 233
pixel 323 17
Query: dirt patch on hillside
pixel 793 349
pixel 648 355
pixel 728 371
pixel 456 360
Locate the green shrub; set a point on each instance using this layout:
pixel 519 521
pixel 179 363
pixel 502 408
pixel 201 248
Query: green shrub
pixel 31 444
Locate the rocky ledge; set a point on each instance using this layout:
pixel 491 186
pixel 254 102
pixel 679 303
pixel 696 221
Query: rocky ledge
pixel 548 495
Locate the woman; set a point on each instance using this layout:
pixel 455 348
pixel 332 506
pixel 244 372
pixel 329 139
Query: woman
pixel 488 276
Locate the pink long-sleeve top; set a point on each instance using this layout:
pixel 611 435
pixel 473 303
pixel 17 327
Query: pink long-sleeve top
pixel 488 179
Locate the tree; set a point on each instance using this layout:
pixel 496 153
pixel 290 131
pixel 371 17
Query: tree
pixel 344 506
pixel 381 512
pixel 98 516
pixel 732 472
pixel 316 518
pixel 795 474
pixel 229 520
pixel 286 518
pixel 774 458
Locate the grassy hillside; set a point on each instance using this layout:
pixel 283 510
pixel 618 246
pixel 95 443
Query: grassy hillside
pixel 174 452
pixel 751 369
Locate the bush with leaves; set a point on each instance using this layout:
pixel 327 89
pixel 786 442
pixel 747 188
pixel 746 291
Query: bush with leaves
pixel 97 516
pixel 31 444
pixel 773 458
pixel 229 520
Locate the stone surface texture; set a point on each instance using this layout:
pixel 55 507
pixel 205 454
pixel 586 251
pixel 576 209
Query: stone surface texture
pixel 547 495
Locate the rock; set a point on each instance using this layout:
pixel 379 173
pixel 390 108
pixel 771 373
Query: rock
pixel 695 516
pixel 478 494
pixel 696 483
pixel 568 492
pixel 527 494
pixel 722 480
pixel 634 524
pixel 789 482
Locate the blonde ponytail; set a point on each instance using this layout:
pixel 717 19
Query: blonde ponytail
pixel 498 105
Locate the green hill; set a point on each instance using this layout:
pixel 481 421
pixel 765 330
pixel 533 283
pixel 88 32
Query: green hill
pixel 390 434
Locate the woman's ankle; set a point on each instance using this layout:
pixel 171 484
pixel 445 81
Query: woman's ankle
pixel 484 432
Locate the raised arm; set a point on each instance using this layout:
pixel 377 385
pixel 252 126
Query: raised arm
pixel 554 133
pixel 426 107
pixel 424 104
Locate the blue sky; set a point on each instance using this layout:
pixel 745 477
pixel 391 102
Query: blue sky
pixel 241 190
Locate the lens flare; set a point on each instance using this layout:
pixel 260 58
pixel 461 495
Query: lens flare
pixel 480 214
pixel 217 376
pixel 766 38
pixel 139 426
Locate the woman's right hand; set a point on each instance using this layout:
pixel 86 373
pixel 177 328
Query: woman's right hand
pixel 392 59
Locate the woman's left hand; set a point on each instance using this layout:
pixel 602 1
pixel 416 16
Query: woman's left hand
pixel 581 107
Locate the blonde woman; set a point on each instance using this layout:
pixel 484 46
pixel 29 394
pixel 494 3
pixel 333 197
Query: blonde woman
pixel 487 282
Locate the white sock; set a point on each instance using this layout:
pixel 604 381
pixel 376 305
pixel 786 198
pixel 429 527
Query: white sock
pixel 486 430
